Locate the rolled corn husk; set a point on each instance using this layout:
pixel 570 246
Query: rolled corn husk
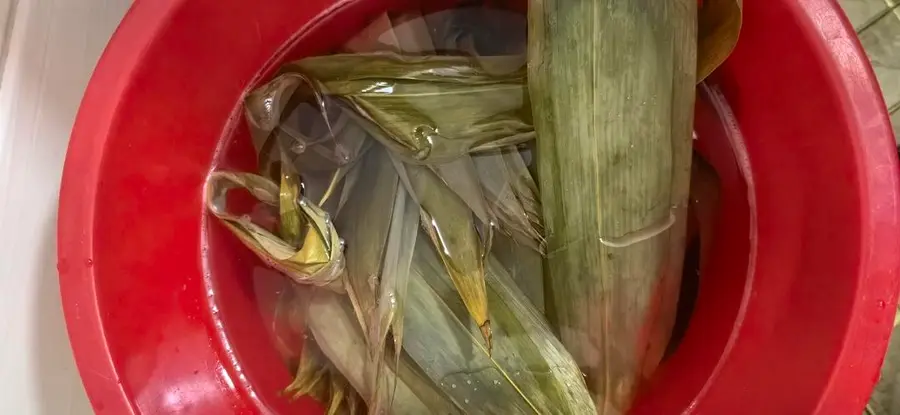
pixel 612 89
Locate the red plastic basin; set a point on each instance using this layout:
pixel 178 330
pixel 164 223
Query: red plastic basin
pixel 798 290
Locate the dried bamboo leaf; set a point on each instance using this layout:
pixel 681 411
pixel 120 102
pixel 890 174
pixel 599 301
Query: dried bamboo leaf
pixel 461 176
pixel 365 230
pixel 479 31
pixel 333 325
pixel 429 108
pixel 291 222
pixel 312 375
pixel 377 36
pixel 528 372
pixel 451 227
pixel 289 324
pixel 718 32
pixel 525 188
pixel 613 115
pixel 318 261
pixel 291 122
pixel 318 378
pixel 389 314
pixel 412 33
pixel 885 399
pixel 514 211
pixel 525 266
pixel 349 185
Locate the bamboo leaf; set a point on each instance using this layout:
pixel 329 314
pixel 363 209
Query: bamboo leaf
pixel 389 314
pixel 511 201
pixel 334 327
pixel 451 227
pixel 377 36
pixel 525 267
pixel 719 29
pixel 525 188
pixel 528 372
pixel 291 122
pixel 291 222
pixel 613 116
pixel 480 31
pixel 428 108
pixel 316 376
pixel 412 33
pixel 318 260
pixel 461 176
pixel 365 229
pixel 312 376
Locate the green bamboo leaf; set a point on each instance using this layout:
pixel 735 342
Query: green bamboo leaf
pixel 613 116
pixel 719 28
pixel 451 228
pixel 312 376
pixel 428 108
pixel 524 265
pixel 291 122
pixel 365 227
pixel 504 189
pixel 525 188
pixel 291 221
pixel 389 314
pixel 318 260
pixel 461 176
pixel 528 372
pixel 335 329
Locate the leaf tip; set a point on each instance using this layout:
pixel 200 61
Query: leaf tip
pixel 488 335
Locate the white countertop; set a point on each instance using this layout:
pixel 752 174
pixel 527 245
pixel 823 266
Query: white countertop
pixel 50 48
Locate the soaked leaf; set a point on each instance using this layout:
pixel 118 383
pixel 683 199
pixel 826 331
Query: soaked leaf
pixel 719 29
pixel 291 122
pixel 524 265
pixel 451 227
pixel 334 327
pixel 377 36
pixel 412 33
pixel 389 314
pixel 428 108
pixel 479 31
pixel 313 375
pixel 512 201
pixel 365 227
pixel 318 260
pixel 528 372
pixel 461 176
